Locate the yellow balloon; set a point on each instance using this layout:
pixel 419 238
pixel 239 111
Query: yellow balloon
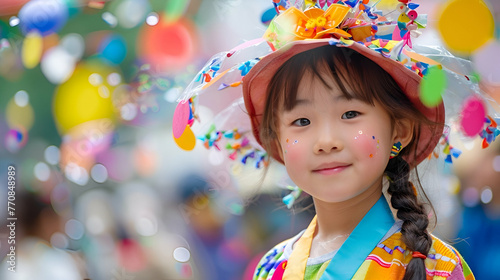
pixel 187 141
pixel 465 25
pixel 84 97
pixel 32 49
pixel 19 116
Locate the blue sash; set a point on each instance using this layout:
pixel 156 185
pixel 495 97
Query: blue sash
pixel 363 239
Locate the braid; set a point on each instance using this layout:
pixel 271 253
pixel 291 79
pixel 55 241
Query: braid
pixel 411 212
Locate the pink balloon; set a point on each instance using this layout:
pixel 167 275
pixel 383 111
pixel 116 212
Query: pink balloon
pixel 181 118
pixel 473 115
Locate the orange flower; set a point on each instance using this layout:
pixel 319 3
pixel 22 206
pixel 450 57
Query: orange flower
pixel 314 23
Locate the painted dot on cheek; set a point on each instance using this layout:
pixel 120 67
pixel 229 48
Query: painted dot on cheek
pixel 367 144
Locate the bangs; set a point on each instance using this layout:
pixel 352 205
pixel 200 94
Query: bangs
pixel 356 76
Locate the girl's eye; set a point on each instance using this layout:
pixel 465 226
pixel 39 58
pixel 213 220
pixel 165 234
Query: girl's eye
pixel 350 115
pixel 302 122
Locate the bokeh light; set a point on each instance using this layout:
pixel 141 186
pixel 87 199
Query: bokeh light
pixel 76 174
pixel 58 65
pixel 99 173
pixel 110 19
pixel 470 197
pixel 74 45
pixel 59 240
pixel 21 98
pixel 95 225
pixel 486 195
pixel 146 226
pixel 52 155
pixel 42 171
pixel 182 254
pixel 74 229
pixel 152 19
pixel 128 111
pixel 114 79
pixel 131 13
pixel 14 21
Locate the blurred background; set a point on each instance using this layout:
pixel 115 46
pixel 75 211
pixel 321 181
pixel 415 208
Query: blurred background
pixel 88 89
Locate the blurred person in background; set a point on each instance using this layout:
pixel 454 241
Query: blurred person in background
pixel 38 227
pixel 479 227
pixel 214 235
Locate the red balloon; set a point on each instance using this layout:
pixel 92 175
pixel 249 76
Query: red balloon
pixel 11 7
pixel 167 45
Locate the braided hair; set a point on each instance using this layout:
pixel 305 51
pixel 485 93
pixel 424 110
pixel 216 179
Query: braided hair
pixel 412 213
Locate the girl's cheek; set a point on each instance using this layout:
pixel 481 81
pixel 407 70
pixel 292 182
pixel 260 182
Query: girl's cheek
pixel 367 144
pixel 292 149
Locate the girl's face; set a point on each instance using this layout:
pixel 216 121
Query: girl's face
pixel 333 148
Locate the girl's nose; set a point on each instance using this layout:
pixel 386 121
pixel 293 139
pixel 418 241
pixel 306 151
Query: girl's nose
pixel 328 140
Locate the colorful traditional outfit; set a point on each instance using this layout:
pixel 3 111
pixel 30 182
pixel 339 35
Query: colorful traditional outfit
pixel 387 260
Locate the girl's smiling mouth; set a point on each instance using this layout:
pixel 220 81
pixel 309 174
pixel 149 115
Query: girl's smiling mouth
pixel 331 168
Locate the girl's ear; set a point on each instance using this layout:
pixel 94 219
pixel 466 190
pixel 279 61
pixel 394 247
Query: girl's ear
pixel 403 131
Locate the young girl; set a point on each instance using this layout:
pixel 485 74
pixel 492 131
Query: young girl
pixel 340 123
pixel 343 117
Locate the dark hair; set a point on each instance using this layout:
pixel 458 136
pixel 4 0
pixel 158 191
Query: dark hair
pixel 360 78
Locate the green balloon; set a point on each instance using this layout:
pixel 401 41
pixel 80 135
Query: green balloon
pixel 432 87
pixel 174 9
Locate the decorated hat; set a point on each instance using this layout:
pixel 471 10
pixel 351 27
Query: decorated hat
pixel 256 81
pixel 233 84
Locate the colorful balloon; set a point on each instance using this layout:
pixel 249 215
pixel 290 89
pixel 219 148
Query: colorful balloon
pixel 113 49
pixel 167 45
pixel 432 86
pixel 466 25
pixel 473 116
pixel 85 96
pixel 44 16
pixel 174 9
pixel 32 49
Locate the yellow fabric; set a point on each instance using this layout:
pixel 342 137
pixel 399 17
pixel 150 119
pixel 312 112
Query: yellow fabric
pixel 297 262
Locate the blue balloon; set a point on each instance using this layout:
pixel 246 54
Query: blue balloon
pixel 113 49
pixel 44 16
pixel 268 15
